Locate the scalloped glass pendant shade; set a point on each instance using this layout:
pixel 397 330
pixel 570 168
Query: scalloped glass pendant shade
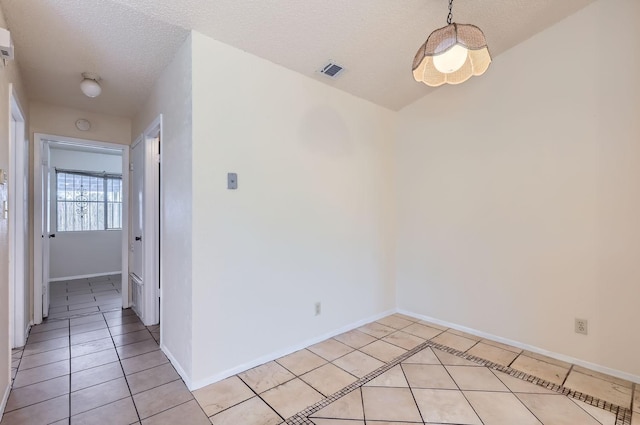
pixel 452 55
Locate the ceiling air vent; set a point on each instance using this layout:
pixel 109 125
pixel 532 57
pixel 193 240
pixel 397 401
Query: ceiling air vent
pixel 332 69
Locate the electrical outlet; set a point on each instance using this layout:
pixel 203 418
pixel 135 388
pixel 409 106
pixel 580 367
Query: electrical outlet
pixel 582 326
pixel 318 307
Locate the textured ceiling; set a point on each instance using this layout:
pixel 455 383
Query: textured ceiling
pixel 129 42
pixel 56 40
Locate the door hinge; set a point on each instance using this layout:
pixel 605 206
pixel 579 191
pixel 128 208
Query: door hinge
pixel 158 158
pixel 131 166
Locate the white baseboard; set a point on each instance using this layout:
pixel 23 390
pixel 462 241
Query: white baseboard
pixel 83 276
pixel 178 367
pixel 5 397
pixel 557 356
pixel 280 353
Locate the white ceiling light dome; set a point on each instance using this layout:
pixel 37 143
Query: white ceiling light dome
pixel 90 85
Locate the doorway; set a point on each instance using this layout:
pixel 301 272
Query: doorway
pixel 73 206
pixel 18 202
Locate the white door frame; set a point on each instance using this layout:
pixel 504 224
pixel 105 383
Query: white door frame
pixel 152 203
pixel 18 218
pixel 39 141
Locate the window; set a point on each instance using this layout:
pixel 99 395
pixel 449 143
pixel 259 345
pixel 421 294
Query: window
pixel 88 201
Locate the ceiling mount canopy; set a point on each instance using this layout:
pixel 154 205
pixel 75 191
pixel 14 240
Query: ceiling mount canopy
pixel 452 54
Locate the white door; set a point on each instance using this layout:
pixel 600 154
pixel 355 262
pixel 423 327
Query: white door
pixel 46 225
pixel 144 239
pixel 151 201
pixel 137 229
pixel 26 269
pixel 137 210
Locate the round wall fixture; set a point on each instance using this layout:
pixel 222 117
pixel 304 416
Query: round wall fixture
pixel 83 125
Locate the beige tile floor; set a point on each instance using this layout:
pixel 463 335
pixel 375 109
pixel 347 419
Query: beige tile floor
pixel 106 368
pixel 435 387
pixel 84 296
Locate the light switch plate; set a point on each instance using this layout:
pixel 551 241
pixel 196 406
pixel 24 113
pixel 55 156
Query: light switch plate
pixel 232 181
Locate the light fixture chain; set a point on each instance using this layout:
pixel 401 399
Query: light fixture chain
pixel 450 16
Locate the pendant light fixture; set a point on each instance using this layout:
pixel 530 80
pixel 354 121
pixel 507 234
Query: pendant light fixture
pixel 451 54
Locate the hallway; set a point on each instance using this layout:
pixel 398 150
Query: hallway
pixel 104 368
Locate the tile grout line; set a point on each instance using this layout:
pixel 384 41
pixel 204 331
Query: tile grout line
pixel 524 405
pixel 589 413
pixel 530 411
pixel 33 404
pixel 310 370
pixel 166 410
pixel 413 396
pixel 13 378
pixel 295 419
pixel 459 389
pixel 620 411
pixel 524 354
pixel 233 405
pixel 258 395
pixel 70 372
pixel 376 338
pixel 364 413
pixel 110 380
pixel 41 401
pixel 564 381
pixel 622 414
pixel 193 395
pixel 299 419
pixel 634 392
pixel 124 375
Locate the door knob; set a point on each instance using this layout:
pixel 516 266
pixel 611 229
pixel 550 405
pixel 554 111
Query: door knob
pixel 138 238
pixel 53 235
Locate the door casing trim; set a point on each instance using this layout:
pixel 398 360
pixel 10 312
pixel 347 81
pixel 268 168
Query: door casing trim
pixel 19 316
pixel 39 140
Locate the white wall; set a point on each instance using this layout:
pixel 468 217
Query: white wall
pixel 9 74
pixel 86 161
pixel 61 121
pixel 171 97
pixel 74 254
pixel 518 192
pixel 310 221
